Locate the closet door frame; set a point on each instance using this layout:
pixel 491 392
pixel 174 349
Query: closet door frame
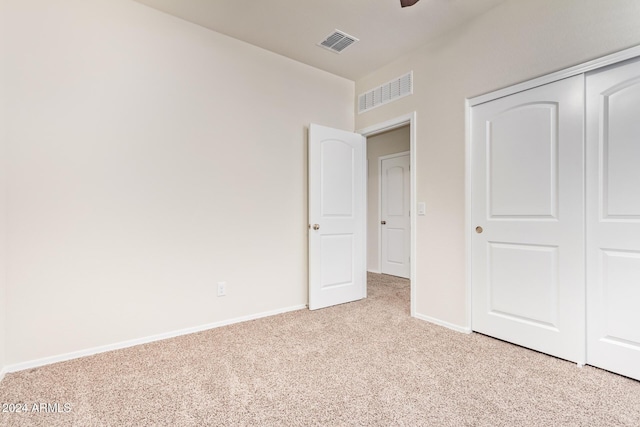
pixel 595 64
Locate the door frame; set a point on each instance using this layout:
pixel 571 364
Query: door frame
pixel 407 119
pixel 583 68
pixel 380 159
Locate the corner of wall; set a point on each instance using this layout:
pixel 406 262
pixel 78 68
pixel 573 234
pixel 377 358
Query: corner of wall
pixel 444 324
pixel 3 257
pixel 3 240
pixel 3 188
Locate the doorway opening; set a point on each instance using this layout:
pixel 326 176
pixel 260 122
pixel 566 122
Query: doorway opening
pixel 391 239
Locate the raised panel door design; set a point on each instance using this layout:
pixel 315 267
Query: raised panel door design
pixel 522 166
pixel 337 246
pixel 621 150
pixel 337 178
pixel 395 196
pixel 620 296
pixel 528 202
pixel 395 246
pixel 337 252
pixel 395 232
pixel 613 218
pixel 523 283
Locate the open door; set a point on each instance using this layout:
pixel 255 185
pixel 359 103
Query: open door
pixel 337 245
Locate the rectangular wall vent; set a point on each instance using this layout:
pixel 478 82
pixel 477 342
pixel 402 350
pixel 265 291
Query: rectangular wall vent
pixel 337 41
pixel 383 94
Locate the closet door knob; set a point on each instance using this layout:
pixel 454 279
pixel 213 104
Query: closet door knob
pixel 479 229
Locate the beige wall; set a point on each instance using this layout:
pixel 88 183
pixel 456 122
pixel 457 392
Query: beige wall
pixel 516 41
pixel 3 187
pixel 391 142
pixel 149 159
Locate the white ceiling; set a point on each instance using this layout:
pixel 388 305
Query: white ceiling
pixel 293 28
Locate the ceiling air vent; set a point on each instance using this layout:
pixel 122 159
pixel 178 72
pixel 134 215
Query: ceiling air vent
pixel 390 91
pixel 338 41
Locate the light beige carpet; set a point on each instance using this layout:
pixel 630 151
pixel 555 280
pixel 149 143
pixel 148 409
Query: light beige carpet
pixel 364 363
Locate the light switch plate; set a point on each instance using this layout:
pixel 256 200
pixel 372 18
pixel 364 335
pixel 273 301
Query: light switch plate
pixel 422 208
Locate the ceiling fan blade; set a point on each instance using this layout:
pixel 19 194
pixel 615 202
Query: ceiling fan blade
pixel 405 3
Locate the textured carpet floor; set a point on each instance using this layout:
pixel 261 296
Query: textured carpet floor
pixel 364 363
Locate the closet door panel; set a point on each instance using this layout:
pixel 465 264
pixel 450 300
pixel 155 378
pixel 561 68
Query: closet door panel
pixel 613 218
pixel 528 218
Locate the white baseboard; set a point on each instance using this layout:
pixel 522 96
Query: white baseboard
pixel 138 341
pixel 457 328
pixel 373 271
pixel 3 371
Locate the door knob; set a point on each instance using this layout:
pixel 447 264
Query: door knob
pixel 316 226
pixel 478 229
pixel 383 222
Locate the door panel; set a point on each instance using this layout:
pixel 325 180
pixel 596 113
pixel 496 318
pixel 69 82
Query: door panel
pixel 620 148
pixel 613 218
pixel 527 197
pixel 337 271
pixel 523 283
pixel 395 224
pixel 337 256
pixel 336 178
pixel 515 188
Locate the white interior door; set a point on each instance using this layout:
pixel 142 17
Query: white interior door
pixel 337 203
pixel 613 219
pixel 528 211
pixel 395 220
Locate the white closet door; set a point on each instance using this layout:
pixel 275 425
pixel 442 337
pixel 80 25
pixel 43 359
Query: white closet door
pixel 613 219
pixel 528 204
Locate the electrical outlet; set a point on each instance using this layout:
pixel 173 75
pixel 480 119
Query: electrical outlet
pixel 222 289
